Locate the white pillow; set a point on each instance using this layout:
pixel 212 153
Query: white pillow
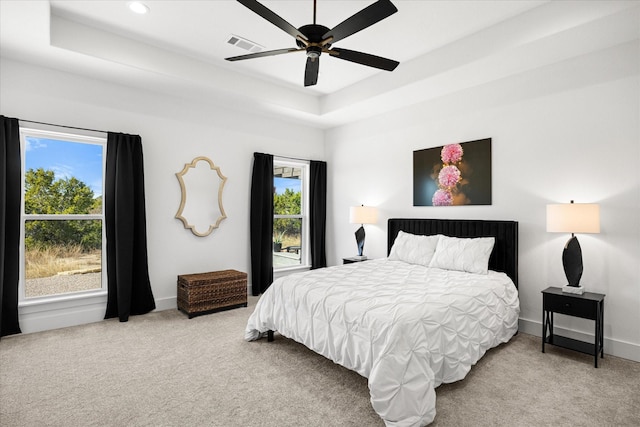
pixel 413 249
pixel 470 255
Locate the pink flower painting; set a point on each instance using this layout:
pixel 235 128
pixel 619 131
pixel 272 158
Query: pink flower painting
pixel 455 174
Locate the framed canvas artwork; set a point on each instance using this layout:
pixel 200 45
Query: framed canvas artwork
pixel 453 175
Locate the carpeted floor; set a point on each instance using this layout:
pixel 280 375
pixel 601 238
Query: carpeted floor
pixel 163 369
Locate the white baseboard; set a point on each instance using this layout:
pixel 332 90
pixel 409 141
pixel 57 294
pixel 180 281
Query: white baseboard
pixel 168 303
pixel 55 315
pixel 617 348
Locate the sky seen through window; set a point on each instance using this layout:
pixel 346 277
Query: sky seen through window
pixel 66 159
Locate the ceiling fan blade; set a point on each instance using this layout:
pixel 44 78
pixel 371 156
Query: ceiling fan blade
pixel 270 16
pixel 311 71
pixel 361 20
pixel 265 53
pixel 364 59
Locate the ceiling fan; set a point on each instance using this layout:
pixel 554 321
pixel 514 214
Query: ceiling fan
pixel 316 39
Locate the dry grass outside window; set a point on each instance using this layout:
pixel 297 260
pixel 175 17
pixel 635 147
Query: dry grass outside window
pixel 49 261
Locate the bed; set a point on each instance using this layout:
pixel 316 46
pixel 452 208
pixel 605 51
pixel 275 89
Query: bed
pixel 421 317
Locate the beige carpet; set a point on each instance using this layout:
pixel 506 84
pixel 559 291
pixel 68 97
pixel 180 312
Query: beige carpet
pixel 163 369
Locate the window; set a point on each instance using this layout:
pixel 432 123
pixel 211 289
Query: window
pixel 290 219
pixel 62 223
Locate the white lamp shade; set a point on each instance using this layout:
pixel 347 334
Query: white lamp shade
pixel 363 215
pixel 573 218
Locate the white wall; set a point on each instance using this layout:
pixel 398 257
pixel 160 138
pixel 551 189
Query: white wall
pixel 173 132
pixel 570 130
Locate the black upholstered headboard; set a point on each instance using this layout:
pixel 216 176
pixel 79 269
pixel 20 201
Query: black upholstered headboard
pixel 505 251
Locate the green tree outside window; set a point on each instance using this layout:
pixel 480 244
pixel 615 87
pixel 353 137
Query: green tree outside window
pixel 46 195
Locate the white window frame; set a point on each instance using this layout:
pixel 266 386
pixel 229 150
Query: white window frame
pixel 305 244
pixel 101 292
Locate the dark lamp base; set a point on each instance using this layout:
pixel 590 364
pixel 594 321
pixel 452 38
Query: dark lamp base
pixel 572 261
pixel 360 240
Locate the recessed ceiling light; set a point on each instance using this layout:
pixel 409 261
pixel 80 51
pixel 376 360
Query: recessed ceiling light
pixel 138 7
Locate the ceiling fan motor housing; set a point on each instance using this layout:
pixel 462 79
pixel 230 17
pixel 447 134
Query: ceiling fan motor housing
pixel 313 33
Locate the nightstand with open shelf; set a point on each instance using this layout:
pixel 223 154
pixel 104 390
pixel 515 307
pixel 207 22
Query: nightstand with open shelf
pixel 589 305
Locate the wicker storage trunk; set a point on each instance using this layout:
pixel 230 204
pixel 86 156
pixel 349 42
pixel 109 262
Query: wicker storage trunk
pixel 205 293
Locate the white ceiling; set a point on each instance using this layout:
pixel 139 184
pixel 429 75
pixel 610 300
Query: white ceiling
pixel 180 46
pixel 201 28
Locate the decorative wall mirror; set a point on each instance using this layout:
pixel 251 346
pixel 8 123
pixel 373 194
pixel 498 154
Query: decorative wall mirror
pixel 201 212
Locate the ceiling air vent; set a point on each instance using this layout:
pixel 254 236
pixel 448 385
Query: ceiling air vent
pixel 244 43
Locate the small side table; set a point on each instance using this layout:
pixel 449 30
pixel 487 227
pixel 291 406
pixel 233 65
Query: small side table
pixel 351 260
pixel 589 305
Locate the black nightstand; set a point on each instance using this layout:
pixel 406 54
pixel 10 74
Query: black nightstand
pixel 587 306
pixel 352 260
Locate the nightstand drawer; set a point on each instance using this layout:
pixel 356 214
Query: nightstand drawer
pixel 570 305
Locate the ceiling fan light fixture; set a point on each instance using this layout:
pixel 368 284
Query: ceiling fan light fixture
pixel 314 52
pixel 138 7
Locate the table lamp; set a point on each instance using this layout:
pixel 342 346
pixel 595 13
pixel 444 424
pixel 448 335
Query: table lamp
pixel 362 215
pixel 573 218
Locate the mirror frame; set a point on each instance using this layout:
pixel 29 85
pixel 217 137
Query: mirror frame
pixel 183 201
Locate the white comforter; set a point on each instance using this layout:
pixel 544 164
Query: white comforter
pixel 405 327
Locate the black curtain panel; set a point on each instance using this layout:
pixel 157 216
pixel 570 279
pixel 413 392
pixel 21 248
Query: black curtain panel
pixel 318 206
pixel 261 223
pixel 129 289
pixel 9 224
